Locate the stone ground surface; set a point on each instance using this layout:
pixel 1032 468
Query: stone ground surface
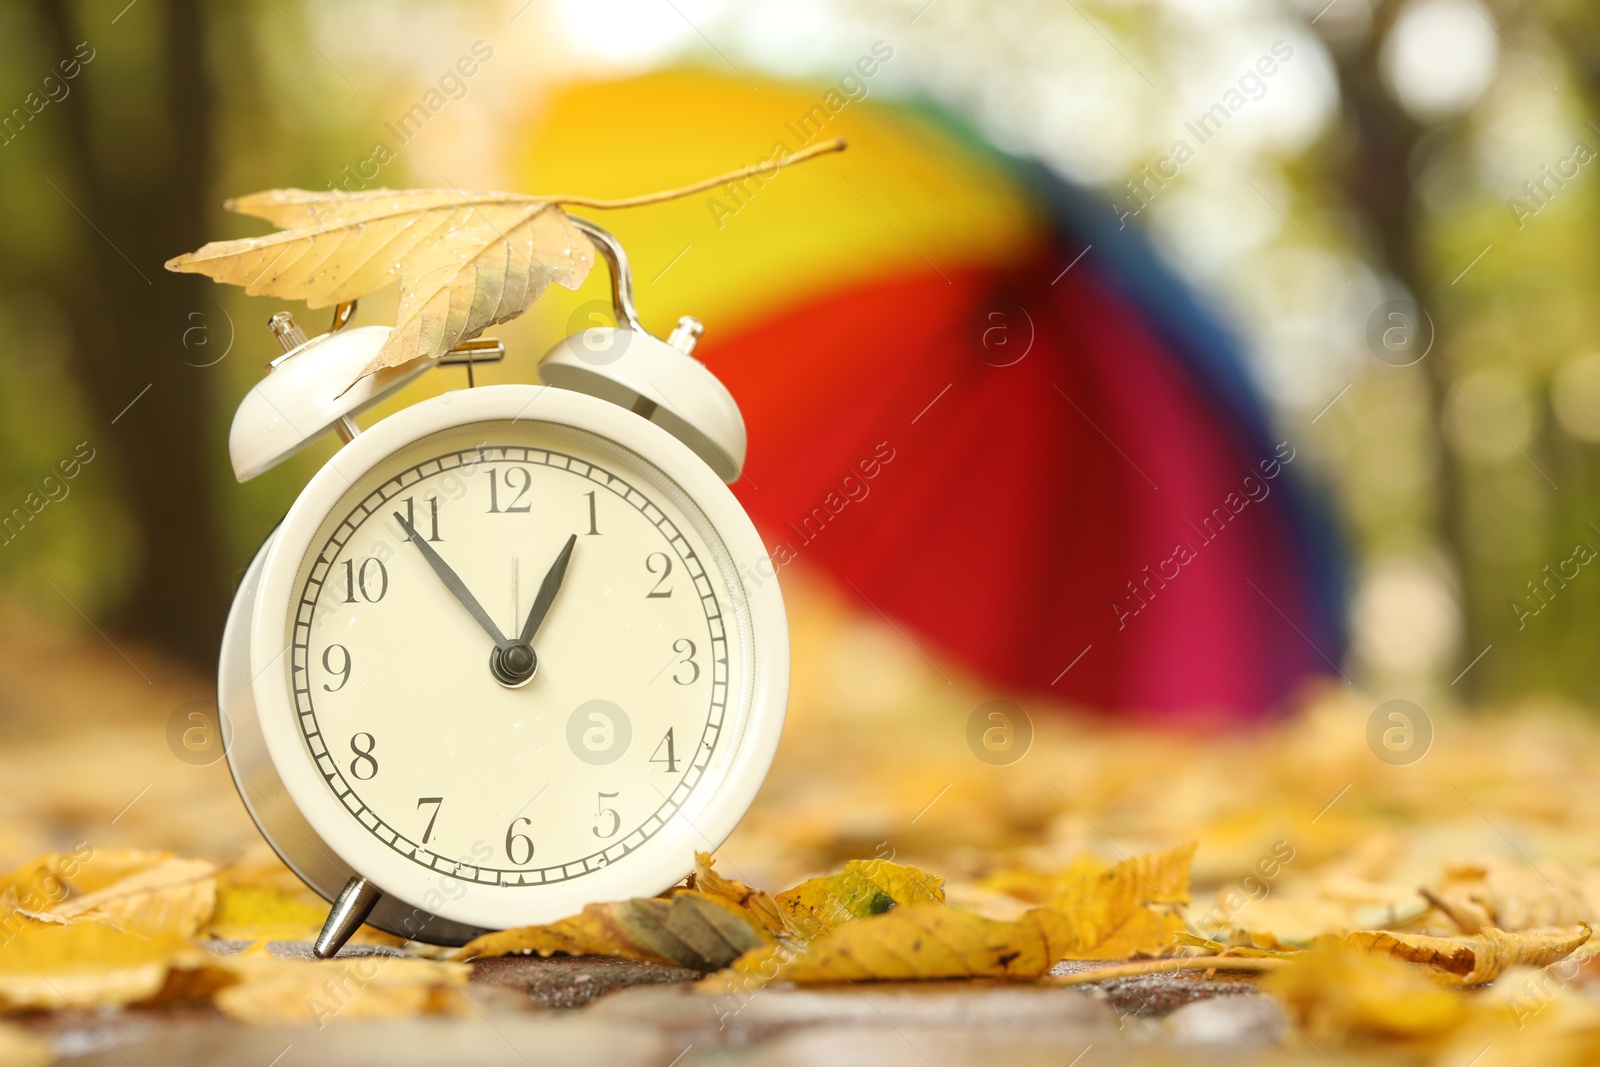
pixel 618 1013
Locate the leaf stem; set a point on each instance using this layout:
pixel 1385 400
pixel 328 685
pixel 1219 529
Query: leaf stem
pixel 1190 963
pixel 838 144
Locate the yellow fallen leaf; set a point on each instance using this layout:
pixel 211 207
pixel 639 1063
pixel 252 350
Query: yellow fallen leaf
pixel 49 880
pixel 702 928
pixel 1096 931
pixel 1334 992
pixel 18 1048
pixel 1300 916
pixel 1477 960
pixel 277 992
pixel 689 929
pixel 1110 915
pixel 248 914
pixel 923 940
pixel 1247 951
pixel 172 896
pixel 1508 896
pixel 270 913
pixel 863 889
pixel 41 882
pixel 1038 887
pixel 261 899
pixel 755 903
pixel 863 934
pixel 84 964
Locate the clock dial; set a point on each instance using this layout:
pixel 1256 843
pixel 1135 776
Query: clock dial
pixel 517 651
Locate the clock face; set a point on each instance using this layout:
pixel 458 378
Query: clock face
pixel 486 735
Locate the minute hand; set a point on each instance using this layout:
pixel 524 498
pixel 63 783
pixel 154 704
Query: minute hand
pixel 547 591
pixel 453 583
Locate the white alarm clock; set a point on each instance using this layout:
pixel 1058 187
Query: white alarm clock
pixel 498 660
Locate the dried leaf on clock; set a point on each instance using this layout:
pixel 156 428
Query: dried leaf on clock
pixel 465 261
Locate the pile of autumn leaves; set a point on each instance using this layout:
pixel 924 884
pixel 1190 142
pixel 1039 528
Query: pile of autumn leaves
pixel 875 920
pixel 87 930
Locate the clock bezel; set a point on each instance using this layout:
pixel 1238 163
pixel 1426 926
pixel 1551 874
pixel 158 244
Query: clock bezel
pixel 668 855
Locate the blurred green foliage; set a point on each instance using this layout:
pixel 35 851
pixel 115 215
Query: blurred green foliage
pixel 1459 480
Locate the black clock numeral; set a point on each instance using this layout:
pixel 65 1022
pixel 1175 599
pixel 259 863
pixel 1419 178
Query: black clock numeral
pixel 343 670
pixel 364 757
pixel 433 517
pixel 437 802
pixel 594 526
pixel 512 837
pixel 685 648
pixel 516 505
pixel 616 819
pixel 665 569
pixel 364 579
pixel 671 758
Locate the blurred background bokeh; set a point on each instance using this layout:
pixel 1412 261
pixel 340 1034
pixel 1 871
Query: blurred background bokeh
pixel 1430 155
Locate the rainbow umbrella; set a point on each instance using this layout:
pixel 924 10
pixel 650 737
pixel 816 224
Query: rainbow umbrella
pixel 973 398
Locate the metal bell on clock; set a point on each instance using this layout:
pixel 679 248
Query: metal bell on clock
pixel 658 380
pixel 308 392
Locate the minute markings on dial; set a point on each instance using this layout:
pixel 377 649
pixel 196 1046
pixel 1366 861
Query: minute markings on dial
pixel 687 561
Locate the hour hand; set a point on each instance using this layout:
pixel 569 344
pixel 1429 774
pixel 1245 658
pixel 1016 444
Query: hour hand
pixel 547 591
pixel 453 582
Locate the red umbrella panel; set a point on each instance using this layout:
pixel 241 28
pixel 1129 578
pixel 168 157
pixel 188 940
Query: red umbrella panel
pixel 1045 477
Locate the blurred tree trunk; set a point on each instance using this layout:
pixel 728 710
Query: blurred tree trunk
pixel 1377 179
pixel 129 318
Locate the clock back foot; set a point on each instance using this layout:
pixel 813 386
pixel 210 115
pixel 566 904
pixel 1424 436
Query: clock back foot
pixel 355 903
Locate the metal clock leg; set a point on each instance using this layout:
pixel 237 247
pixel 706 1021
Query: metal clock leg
pixel 355 903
